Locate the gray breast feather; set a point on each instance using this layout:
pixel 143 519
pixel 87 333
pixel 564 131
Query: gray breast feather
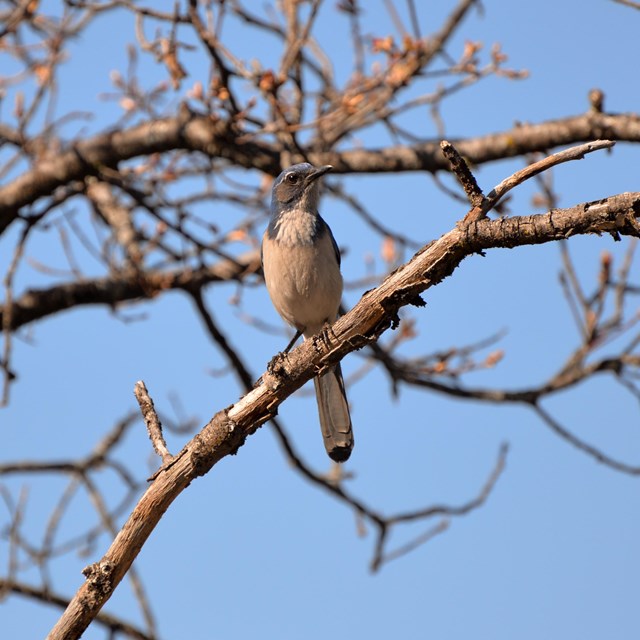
pixel 304 281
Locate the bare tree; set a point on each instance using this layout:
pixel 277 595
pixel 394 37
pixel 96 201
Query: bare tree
pixel 139 194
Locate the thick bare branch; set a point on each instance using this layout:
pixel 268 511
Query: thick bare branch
pixel 216 138
pixel 375 313
pixel 520 140
pixel 219 138
pixel 113 290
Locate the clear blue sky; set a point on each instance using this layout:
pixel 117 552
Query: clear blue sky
pixel 251 550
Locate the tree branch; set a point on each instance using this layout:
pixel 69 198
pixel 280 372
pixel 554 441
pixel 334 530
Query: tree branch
pixel 113 624
pixel 36 304
pixel 221 139
pixel 376 312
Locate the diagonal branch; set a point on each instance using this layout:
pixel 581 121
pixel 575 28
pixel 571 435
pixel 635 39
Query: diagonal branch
pixel 376 312
pixel 383 524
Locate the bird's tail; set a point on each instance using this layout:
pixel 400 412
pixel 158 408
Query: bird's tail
pixel 333 409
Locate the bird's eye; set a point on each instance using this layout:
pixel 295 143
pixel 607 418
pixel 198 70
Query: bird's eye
pixel 292 178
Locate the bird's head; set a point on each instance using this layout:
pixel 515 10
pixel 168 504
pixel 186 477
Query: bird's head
pixel 297 187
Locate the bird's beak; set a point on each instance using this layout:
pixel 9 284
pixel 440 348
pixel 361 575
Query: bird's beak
pixel 319 172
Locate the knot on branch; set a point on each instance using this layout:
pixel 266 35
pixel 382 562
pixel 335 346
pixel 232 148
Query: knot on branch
pixel 390 319
pixel 220 437
pixel 99 578
pixel 277 368
pixel 399 298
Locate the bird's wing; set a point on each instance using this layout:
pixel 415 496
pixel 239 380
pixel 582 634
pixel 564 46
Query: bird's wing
pixel 324 227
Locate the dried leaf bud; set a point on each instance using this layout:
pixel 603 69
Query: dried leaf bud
pixel 388 250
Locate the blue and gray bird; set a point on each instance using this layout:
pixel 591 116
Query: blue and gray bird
pixel 301 265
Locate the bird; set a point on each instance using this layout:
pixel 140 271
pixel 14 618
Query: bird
pixel 301 266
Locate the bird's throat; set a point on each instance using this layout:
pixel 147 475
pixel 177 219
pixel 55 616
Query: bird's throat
pixel 296 227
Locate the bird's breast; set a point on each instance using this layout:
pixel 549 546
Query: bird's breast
pixel 303 279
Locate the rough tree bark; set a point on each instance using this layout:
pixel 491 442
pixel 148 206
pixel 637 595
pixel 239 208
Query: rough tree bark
pixel 374 314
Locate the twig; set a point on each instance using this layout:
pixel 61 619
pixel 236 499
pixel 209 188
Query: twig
pixel 154 426
pixel 6 316
pixel 440 510
pixel 574 153
pixel 498 192
pixel 598 455
pixel 461 171
pixel 412 545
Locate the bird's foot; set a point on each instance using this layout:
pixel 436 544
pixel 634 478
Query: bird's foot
pixel 327 335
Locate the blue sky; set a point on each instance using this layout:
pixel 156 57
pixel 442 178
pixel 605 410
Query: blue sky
pixel 252 549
